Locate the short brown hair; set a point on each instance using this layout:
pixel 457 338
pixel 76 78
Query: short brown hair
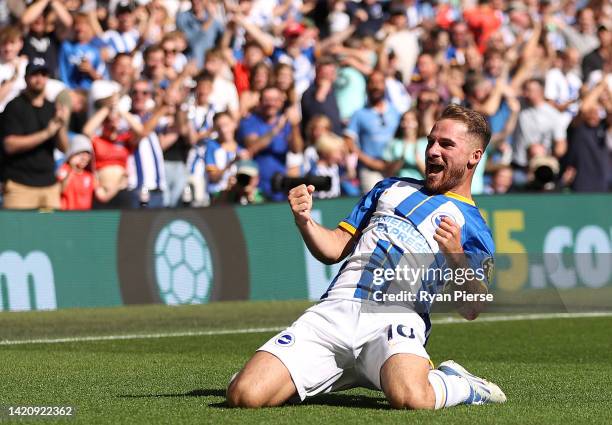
pixel 10 33
pixel 475 122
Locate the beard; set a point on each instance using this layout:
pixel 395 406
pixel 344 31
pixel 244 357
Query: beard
pixel 445 180
pixel 36 90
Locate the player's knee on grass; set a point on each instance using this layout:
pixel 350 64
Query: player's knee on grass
pixel 263 382
pixel 404 380
pixel 241 393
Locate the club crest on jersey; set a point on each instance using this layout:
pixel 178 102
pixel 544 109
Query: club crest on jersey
pixel 285 340
pixel 436 219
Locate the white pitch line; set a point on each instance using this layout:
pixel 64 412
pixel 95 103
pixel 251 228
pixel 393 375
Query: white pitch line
pixel 445 321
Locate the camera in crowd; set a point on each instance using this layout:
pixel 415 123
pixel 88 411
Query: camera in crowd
pixel 281 183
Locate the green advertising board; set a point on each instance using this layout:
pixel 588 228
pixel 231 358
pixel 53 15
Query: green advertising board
pixel 192 256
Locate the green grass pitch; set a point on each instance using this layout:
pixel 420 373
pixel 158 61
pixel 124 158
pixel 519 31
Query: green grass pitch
pixel 553 370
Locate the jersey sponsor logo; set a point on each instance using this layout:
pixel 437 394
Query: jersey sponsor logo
pixel 17 273
pixel 286 339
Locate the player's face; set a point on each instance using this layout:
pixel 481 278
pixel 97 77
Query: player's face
pixel 449 150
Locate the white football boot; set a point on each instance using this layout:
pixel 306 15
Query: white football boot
pixel 481 390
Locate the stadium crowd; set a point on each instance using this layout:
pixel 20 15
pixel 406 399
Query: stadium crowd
pixel 159 103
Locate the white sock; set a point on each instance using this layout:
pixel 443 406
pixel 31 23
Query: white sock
pixel 450 390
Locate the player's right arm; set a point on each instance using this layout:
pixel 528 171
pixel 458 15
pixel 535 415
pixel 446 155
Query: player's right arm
pixel 326 245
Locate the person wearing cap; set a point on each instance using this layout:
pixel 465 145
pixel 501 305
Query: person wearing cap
pixel 31 128
pixel 77 181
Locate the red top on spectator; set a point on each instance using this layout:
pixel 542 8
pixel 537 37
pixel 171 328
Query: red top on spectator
pixel 78 193
pixel 112 152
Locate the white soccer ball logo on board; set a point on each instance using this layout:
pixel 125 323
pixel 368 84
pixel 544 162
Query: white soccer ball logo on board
pixel 183 264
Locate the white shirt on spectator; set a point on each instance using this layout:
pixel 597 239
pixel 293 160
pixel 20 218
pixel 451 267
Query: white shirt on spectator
pixel 7 71
pixel 562 88
pixel 224 96
pixel 541 124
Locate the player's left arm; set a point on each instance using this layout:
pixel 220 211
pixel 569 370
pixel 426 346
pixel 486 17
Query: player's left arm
pixel 448 237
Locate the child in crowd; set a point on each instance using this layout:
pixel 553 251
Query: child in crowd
pixel 331 151
pixel 78 183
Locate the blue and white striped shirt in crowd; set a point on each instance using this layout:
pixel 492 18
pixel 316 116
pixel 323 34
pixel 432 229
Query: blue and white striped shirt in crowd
pixel 146 165
pixel 121 42
pixel 200 118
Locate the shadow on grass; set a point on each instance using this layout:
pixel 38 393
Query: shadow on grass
pixel 332 400
pixel 205 392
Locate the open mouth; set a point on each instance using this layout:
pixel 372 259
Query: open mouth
pixel 433 168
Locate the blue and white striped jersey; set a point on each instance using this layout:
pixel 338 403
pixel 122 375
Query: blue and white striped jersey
pixel 396 222
pixel 146 165
pixel 121 42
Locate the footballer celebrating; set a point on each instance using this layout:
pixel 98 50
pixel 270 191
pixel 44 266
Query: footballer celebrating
pixel 342 342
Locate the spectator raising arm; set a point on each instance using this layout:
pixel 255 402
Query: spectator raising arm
pixel 37 8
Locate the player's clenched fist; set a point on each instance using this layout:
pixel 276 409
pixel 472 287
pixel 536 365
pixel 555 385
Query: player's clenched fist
pixel 300 200
pixel 448 236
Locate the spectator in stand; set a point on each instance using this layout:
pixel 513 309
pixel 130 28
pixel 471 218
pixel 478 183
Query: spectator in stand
pixel 460 38
pixel 201 26
pixel 539 124
pixel 222 155
pixel 428 77
pixel 113 144
pixel 483 20
pixel 146 171
pixel 76 178
pixel 269 135
pixel 331 152
pixel 31 128
pixel 243 188
pixel 399 43
pixel 405 155
pixel 370 131
pixel 171 133
pixel 594 61
pixel 584 38
pixel 224 96
pixel 40 41
pixel 501 181
pixel 80 62
pixel 12 65
pixel 587 167
pixel 260 78
pixel 563 83
pixel 395 91
pixel 199 129
pixel 174 59
pixel 126 37
pixel 320 98
pixel 285 82
pixel 242 70
pixel 370 15
pixel 154 68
